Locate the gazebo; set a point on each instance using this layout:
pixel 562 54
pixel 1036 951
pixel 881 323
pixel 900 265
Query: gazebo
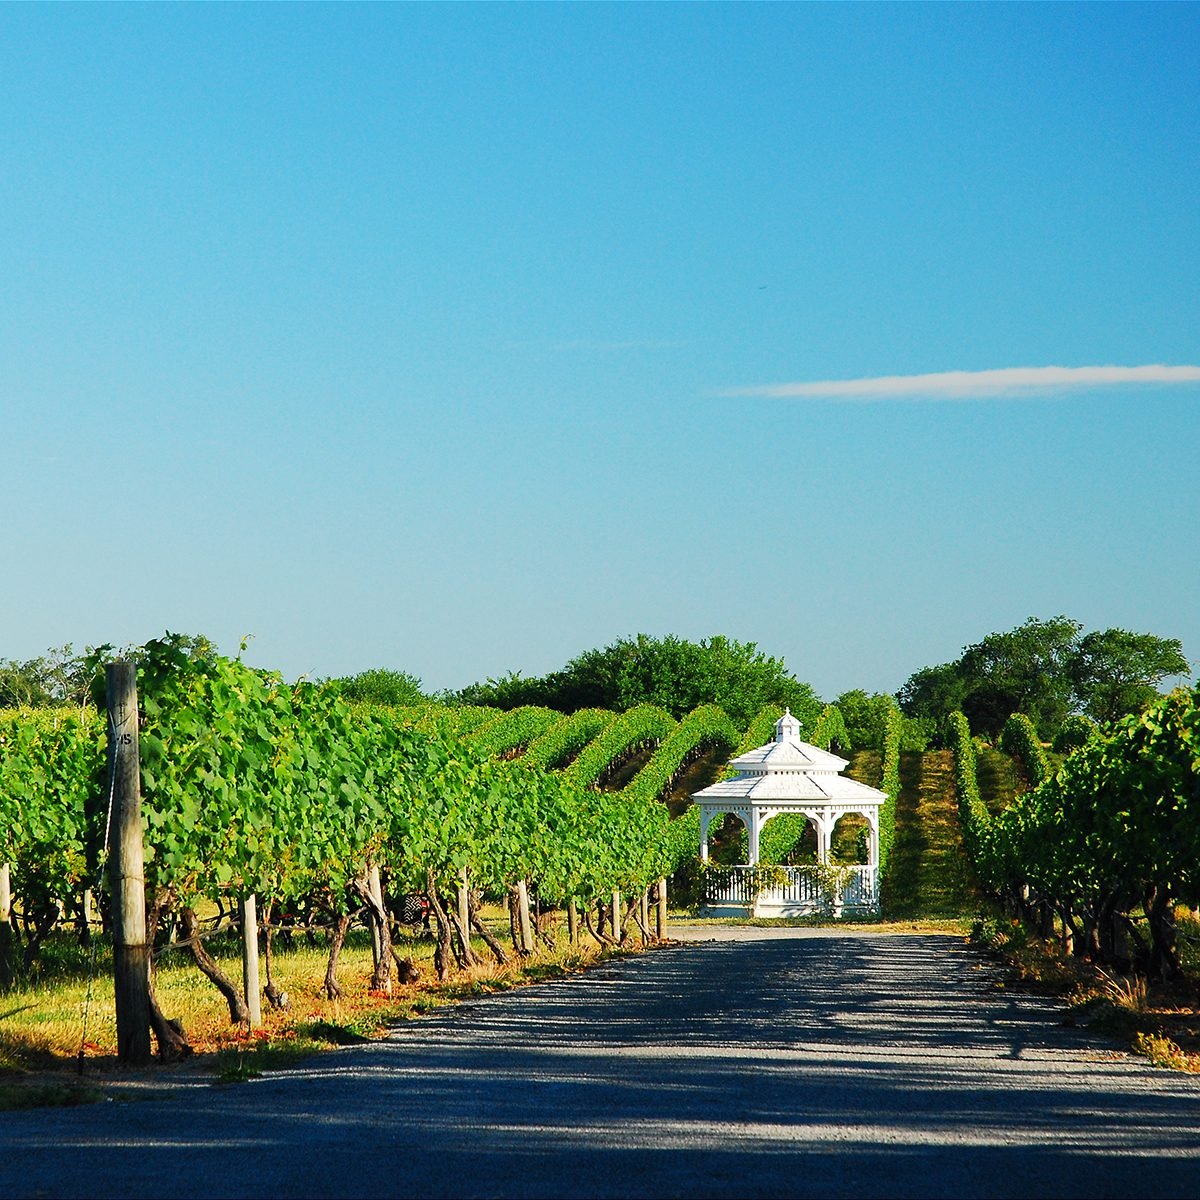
pixel 791 776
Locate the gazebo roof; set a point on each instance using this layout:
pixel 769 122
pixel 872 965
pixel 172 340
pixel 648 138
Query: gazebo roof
pixel 799 788
pixel 789 770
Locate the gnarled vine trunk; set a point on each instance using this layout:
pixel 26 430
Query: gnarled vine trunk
pixel 442 951
pixel 480 928
pixel 381 977
pixel 169 1034
pixel 275 998
pixel 239 1014
pixel 337 940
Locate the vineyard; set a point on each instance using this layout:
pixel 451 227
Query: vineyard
pixel 319 813
pixel 1115 829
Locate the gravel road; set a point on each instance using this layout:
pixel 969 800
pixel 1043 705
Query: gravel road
pixel 741 1063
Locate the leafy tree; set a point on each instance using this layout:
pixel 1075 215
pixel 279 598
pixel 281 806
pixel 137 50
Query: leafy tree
pixel 1025 670
pixel 60 676
pixel 931 694
pixel 1046 670
pixel 865 717
pixel 380 686
pixel 671 672
pixel 23 683
pixel 1116 672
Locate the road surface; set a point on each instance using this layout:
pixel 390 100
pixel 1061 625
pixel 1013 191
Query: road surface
pixel 792 1062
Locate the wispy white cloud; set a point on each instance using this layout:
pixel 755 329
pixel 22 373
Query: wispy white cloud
pixel 972 385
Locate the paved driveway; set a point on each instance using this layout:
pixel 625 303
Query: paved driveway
pixel 793 1063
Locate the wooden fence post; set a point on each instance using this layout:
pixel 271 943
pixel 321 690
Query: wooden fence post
pixel 660 912
pixel 617 931
pixel 572 922
pixel 250 960
pixel 126 868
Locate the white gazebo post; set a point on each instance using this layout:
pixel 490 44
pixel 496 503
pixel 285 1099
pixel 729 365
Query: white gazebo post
pixel 790 776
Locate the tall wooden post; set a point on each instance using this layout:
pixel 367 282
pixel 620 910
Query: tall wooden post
pixel 617 931
pixel 660 911
pixel 126 868
pixel 250 960
pixel 572 922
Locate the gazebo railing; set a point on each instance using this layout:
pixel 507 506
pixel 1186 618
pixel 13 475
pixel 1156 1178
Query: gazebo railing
pixel 807 888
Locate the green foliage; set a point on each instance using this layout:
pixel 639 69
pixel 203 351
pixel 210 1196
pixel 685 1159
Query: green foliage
pixel 628 731
pixel 1047 670
pixel 973 814
pixel 779 839
pixel 1076 731
pixel 566 737
pixel 890 783
pixel 670 672
pixel 1020 739
pixel 830 731
pixel 1117 826
pixel 380 686
pixel 449 721
pixel 865 717
pixel 511 730
pixel 916 733
pixel 252 785
pixel 52 769
pixel 1116 672
pixel 60 677
pixel 705 726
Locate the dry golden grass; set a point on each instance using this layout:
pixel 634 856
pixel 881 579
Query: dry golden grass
pixel 1159 1021
pixel 45 1026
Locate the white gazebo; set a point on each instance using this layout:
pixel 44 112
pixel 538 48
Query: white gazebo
pixel 791 776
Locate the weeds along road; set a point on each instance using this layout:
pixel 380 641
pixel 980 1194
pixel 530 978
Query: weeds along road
pixel 768 1063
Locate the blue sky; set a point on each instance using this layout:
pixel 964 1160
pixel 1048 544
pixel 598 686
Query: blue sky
pixel 444 338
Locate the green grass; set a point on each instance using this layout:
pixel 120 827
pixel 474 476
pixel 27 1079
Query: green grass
pixel 929 874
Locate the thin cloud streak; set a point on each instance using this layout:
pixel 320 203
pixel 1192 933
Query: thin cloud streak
pixel 977 385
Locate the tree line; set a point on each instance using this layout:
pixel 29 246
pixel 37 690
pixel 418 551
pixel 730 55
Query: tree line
pixel 1064 678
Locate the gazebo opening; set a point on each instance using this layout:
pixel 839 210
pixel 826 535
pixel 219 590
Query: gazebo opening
pixel 851 841
pixel 812 839
pixel 729 839
pixel 788 839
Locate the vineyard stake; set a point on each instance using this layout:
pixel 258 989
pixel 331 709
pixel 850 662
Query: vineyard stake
pixel 617 931
pixel 375 887
pixel 126 868
pixel 523 917
pixel 6 934
pixel 250 959
pixel 660 912
pixel 464 905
